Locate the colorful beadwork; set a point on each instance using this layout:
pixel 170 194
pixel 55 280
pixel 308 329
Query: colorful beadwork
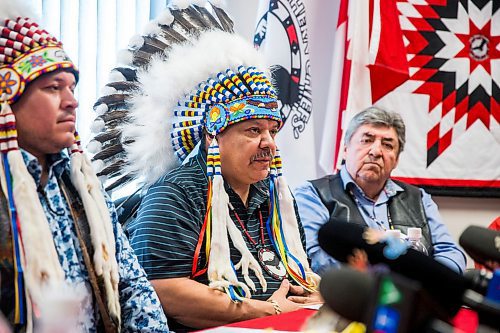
pixel 222 101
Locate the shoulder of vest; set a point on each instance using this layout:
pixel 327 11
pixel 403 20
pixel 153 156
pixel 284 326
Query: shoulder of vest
pixel 324 181
pixel 408 188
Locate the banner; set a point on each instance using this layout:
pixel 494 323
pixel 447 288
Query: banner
pixel 281 33
pixel 437 63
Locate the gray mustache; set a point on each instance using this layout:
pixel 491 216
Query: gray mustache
pixel 263 154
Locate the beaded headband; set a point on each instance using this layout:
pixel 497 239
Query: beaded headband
pixel 26 52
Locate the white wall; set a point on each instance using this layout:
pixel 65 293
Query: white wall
pixel 457 213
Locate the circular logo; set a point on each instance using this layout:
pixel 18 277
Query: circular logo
pixel 479 47
pixel 283 25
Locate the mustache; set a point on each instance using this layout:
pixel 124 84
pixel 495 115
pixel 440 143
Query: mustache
pixel 263 154
pixel 373 161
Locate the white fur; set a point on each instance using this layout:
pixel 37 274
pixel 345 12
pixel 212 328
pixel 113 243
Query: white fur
pixel 101 229
pixel 292 236
pixel 220 272
pixel 42 269
pixel 60 310
pixel 164 83
pixel 247 259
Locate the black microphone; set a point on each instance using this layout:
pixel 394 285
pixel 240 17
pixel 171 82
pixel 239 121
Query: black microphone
pixel 383 301
pixel 346 292
pixel 447 288
pixel 339 239
pixel 481 244
pixel 480 279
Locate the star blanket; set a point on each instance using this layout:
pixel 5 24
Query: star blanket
pixel 435 62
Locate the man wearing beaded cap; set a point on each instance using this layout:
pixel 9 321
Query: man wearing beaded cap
pixel 217 235
pixel 65 265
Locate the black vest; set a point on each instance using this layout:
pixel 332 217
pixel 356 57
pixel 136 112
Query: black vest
pixel 406 207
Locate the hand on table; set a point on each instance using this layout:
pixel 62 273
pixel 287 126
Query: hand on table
pixel 280 296
pixel 303 297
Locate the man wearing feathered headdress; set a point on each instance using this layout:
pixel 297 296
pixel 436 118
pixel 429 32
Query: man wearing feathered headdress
pixel 218 236
pixel 65 265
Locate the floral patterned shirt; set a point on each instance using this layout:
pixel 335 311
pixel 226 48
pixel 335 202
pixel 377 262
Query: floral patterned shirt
pixel 140 307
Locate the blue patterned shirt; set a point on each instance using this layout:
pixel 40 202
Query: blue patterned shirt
pixel 140 307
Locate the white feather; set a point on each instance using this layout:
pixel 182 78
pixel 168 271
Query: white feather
pixel 180 4
pixel 94 146
pixel 218 3
pixel 107 90
pixel 200 3
pixel 98 165
pixel 136 42
pixel 165 18
pixel 152 28
pixel 101 109
pixel 116 76
pixel 125 57
pixel 97 126
pixel 13 9
pixel 164 83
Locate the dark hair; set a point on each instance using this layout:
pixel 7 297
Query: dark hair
pixel 378 117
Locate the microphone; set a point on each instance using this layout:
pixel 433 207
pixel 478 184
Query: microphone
pixel 345 291
pixel 339 239
pixel 445 286
pixel 482 244
pixel 384 302
pixel 480 279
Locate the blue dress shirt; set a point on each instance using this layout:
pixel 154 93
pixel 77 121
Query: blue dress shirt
pixel 314 214
pixel 140 307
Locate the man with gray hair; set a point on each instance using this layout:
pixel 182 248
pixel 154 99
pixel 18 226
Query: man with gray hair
pixel 363 193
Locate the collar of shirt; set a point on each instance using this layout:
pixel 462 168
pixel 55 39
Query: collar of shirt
pixel 390 188
pixel 56 163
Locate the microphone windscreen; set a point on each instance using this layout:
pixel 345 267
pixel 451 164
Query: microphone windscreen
pixel 339 239
pixel 346 292
pixel 481 244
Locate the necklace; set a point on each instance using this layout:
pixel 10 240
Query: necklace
pixel 268 259
pixel 372 217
